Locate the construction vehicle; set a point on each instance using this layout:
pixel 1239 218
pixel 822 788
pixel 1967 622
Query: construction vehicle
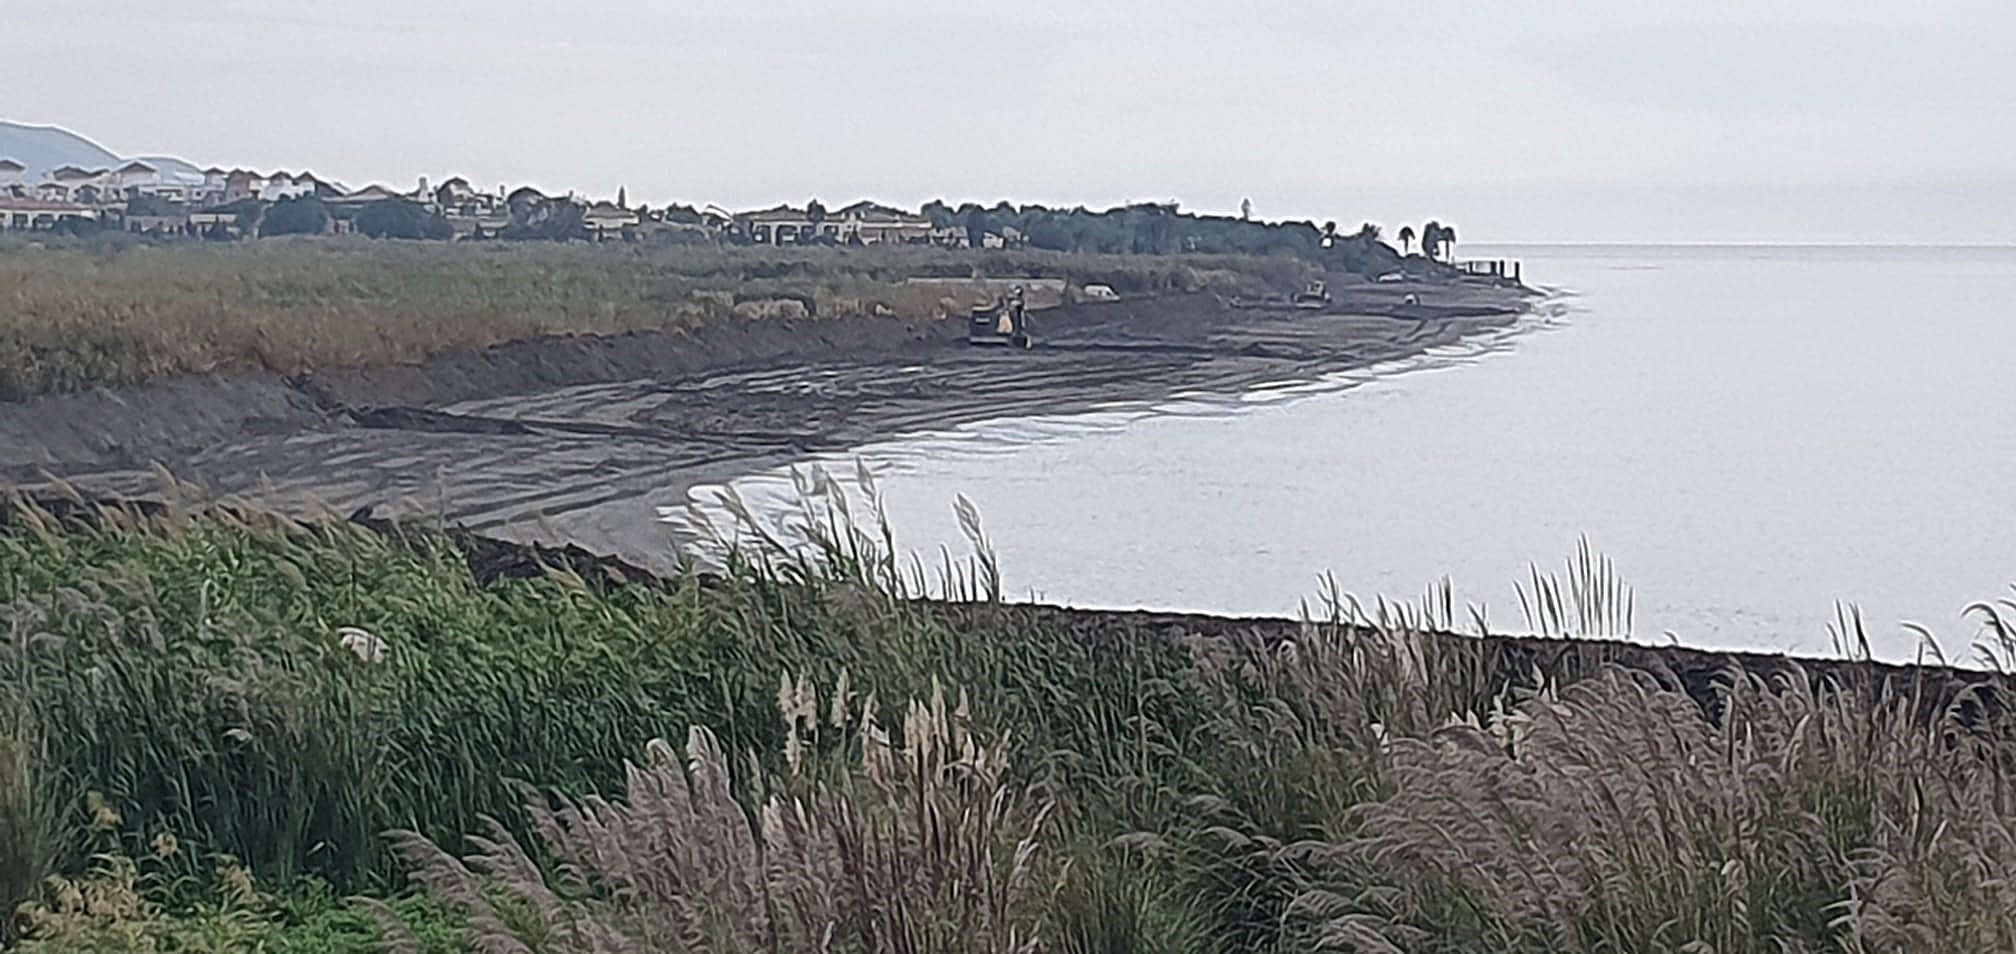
pixel 1001 322
pixel 1315 297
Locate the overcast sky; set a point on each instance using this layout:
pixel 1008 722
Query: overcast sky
pixel 1700 120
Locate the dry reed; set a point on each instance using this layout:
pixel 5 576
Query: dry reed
pixel 1620 817
pixel 920 845
pixel 72 319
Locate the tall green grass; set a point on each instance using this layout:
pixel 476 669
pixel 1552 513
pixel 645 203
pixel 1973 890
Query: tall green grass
pixel 197 669
pixel 1362 782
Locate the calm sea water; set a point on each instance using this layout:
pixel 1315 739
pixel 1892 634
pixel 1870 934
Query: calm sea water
pixel 1751 434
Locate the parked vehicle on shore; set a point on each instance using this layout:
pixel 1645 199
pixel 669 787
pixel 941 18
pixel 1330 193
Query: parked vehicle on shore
pixel 1314 297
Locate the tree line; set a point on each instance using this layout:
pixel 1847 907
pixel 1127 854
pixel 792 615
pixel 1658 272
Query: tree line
pixel 1149 228
pixel 1144 228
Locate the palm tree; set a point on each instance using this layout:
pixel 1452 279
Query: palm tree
pixel 1449 241
pixel 815 213
pixel 1431 240
pixel 1406 238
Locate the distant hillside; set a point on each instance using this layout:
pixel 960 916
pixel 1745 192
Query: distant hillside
pixel 43 148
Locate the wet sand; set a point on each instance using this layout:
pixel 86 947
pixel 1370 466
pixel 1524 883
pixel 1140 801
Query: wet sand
pixel 582 441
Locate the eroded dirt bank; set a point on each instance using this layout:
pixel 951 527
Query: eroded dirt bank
pixel 581 440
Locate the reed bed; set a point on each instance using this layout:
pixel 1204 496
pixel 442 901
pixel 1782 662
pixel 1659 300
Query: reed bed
pixel 75 316
pixel 236 754
pixel 911 840
pixel 1620 817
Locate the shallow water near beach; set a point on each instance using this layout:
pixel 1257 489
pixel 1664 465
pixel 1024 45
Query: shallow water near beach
pixel 1752 434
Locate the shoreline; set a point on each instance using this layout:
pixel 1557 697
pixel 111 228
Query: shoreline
pixel 583 439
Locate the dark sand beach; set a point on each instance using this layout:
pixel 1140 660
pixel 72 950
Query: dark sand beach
pixel 582 439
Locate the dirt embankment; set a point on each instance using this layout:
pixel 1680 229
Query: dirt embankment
pixel 584 439
pixel 133 427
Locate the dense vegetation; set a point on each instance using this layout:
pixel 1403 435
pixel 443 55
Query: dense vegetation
pixel 210 722
pixel 1149 228
pixel 1142 228
pixel 79 315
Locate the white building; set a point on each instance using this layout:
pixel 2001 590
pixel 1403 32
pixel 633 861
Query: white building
pixel 12 175
pixel 782 225
pixel 282 185
pixel 607 220
pixel 129 178
pixel 241 184
pixel 863 223
pixel 79 185
pixel 211 192
pixel 35 214
pixel 870 223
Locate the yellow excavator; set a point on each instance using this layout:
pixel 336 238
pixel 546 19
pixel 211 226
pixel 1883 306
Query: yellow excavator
pixel 1316 296
pixel 1004 321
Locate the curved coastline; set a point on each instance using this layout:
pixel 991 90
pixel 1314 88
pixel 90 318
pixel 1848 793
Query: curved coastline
pixel 585 440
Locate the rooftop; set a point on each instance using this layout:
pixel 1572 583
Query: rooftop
pixel 782 213
pixel 375 191
pixel 874 210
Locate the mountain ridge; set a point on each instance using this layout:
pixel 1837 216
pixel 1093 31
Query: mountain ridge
pixel 44 148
